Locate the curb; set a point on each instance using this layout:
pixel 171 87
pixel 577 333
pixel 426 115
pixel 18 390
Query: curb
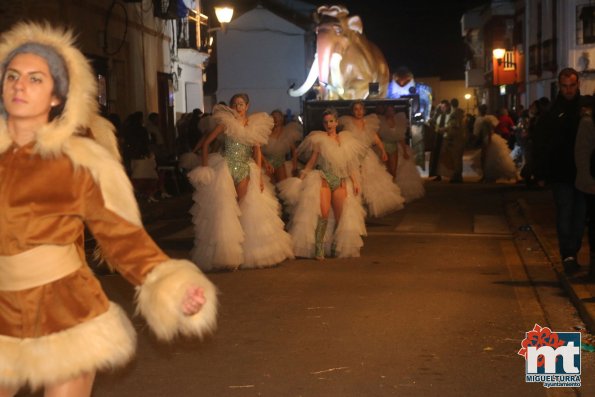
pixel 577 292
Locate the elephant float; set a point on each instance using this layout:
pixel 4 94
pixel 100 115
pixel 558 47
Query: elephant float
pixel 345 62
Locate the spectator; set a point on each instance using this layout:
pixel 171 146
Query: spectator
pixel 583 150
pixel 555 163
pixel 505 127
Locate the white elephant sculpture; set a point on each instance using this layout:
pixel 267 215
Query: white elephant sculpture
pixel 345 61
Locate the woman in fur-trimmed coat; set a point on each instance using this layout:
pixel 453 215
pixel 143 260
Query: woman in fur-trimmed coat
pixel 59 171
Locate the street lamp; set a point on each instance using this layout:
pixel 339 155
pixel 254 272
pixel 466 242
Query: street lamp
pixel 224 14
pixel 499 54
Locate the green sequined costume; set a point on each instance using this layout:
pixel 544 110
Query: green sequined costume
pixel 333 180
pixel 237 156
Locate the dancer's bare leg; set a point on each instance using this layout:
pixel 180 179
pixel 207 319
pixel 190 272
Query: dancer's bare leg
pixel 393 162
pixel 280 173
pixel 338 200
pixel 325 199
pixel 77 387
pixel 242 188
pixel 6 392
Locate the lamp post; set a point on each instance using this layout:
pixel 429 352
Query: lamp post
pixel 224 14
pixel 467 97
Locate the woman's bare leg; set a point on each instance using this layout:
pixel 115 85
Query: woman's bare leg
pixel 325 206
pixel 242 188
pixel 338 199
pixel 80 386
pixel 325 199
pixel 393 161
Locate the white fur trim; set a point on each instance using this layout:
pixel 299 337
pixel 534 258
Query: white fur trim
pixel 115 186
pixel 104 342
pixel 159 300
pixel 104 133
pixel 201 175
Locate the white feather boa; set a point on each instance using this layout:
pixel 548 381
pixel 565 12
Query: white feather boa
pixel 280 146
pixel 341 158
pixel 256 132
pixel 367 134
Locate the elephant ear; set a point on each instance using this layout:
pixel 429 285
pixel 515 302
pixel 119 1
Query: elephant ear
pixel 355 23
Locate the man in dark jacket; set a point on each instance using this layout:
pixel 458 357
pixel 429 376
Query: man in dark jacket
pixel 554 160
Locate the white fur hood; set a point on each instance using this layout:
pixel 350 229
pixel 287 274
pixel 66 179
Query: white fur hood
pixel 81 109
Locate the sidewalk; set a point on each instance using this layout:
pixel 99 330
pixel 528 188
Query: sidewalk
pixel 538 209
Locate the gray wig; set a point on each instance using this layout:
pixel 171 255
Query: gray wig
pixel 57 68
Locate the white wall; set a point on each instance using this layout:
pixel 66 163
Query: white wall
pixel 261 54
pixel 190 62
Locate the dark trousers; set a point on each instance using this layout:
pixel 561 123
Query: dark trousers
pixel 435 155
pixel 590 201
pixel 571 215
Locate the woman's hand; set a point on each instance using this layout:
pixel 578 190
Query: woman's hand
pixel 193 301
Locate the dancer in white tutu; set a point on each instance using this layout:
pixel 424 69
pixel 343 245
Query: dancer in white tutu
pixel 281 141
pixel 400 164
pixel 379 191
pixel 494 159
pixel 236 214
pixel 327 194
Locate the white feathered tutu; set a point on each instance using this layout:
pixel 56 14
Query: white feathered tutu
pixel 408 178
pixel 229 235
pixel 303 199
pixel 498 162
pixel 380 193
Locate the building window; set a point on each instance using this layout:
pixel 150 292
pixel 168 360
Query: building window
pixel 548 55
pixel 585 24
pixel 535 60
pixel 509 63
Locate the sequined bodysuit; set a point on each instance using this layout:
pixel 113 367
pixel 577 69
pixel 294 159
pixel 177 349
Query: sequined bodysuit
pixel 333 180
pixel 238 156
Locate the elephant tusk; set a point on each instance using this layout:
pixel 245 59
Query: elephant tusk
pixel 310 80
pixel 335 72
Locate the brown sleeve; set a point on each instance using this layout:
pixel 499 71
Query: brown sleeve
pixel 126 247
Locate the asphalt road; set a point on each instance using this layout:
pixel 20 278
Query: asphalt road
pixel 437 305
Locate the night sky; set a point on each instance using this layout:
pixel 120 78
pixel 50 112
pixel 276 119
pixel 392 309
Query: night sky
pixel 424 35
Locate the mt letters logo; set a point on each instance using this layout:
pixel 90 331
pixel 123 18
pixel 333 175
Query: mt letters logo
pixel 552 358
